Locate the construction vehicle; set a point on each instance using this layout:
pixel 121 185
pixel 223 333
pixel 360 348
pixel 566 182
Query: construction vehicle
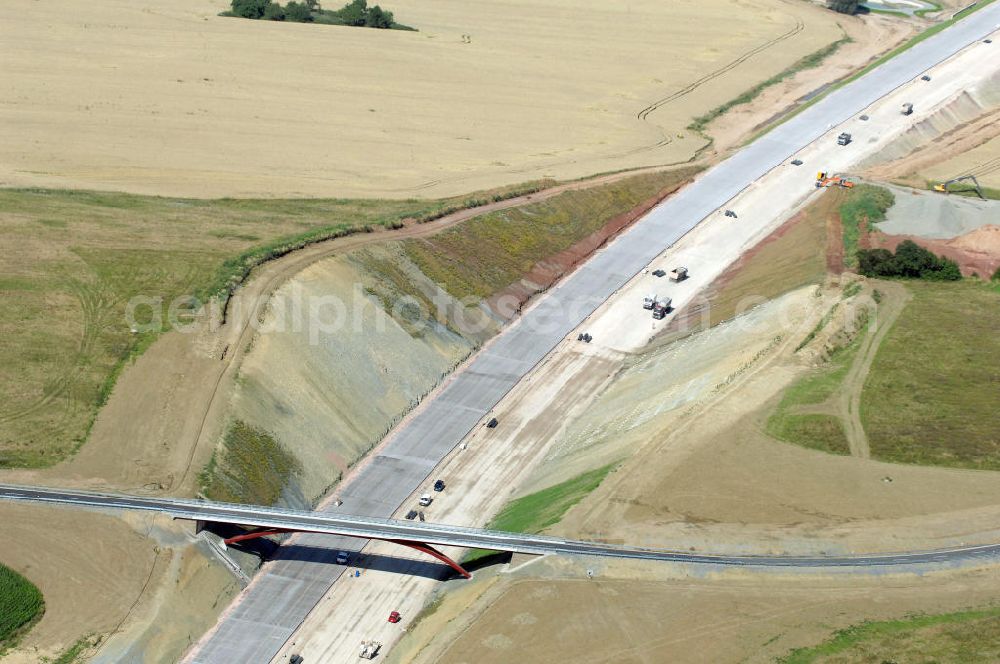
pixel 369 649
pixel 943 187
pixel 649 301
pixel 824 179
pixel 844 138
pixel 907 108
pixel 660 309
pixel 678 274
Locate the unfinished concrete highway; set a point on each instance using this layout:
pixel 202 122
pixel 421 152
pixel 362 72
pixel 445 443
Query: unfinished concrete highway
pixel 286 590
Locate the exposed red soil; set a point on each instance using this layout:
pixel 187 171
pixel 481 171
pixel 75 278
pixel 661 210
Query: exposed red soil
pixel 976 252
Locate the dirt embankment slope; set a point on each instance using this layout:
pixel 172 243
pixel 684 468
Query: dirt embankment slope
pixel 168 104
pixel 331 385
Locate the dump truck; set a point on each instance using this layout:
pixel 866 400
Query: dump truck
pixel 649 301
pixel 678 274
pixel 661 308
pixel 907 108
pixel 844 138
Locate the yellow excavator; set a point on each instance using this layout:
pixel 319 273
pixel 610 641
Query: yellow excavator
pixel 943 187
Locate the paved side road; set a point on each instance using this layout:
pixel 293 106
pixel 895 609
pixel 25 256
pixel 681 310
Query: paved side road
pixel 283 593
pixel 460 536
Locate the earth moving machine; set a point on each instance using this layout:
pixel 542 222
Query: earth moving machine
pixel 844 138
pixel 678 274
pixel 824 179
pixel 943 187
pixel 907 108
pixel 369 649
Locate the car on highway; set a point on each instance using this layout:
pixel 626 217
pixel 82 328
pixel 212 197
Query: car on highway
pixel 426 500
pixel 492 424
pixel 925 77
pixel 411 515
pixel 342 557
pixel 394 617
pixel 439 485
pixel 659 273
pixel 796 162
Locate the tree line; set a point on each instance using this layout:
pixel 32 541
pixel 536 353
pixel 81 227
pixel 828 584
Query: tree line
pixel 355 13
pixel 911 261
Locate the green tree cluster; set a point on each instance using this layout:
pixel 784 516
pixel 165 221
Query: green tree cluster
pixel 911 261
pixel 296 12
pixel 355 13
pixel 358 13
pixel 843 6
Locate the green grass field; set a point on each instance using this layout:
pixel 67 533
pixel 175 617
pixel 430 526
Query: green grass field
pixel 792 422
pixel 537 511
pixel 932 394
pixel 488 253
pixel 72 260
pixel 951 638
pixel 21 605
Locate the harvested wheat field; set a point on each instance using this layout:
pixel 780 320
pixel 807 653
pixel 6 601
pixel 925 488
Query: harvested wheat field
pixel 172 99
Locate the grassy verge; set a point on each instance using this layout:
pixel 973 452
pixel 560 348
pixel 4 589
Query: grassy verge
pixel 792 420
pixel 73 654
pixel 792 257
pixel 21 605
pixel 931 395
pixel 488 253
pixel 966 636
pixel 810 61
pixel 251 467
pixel 537 511
pixel 79 257
pixel 865 203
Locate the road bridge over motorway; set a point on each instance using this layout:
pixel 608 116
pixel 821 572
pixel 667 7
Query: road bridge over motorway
pixel 274 520
pixel 284 592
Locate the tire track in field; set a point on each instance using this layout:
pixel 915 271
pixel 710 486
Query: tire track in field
pixel 688 89
pixel 645 112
